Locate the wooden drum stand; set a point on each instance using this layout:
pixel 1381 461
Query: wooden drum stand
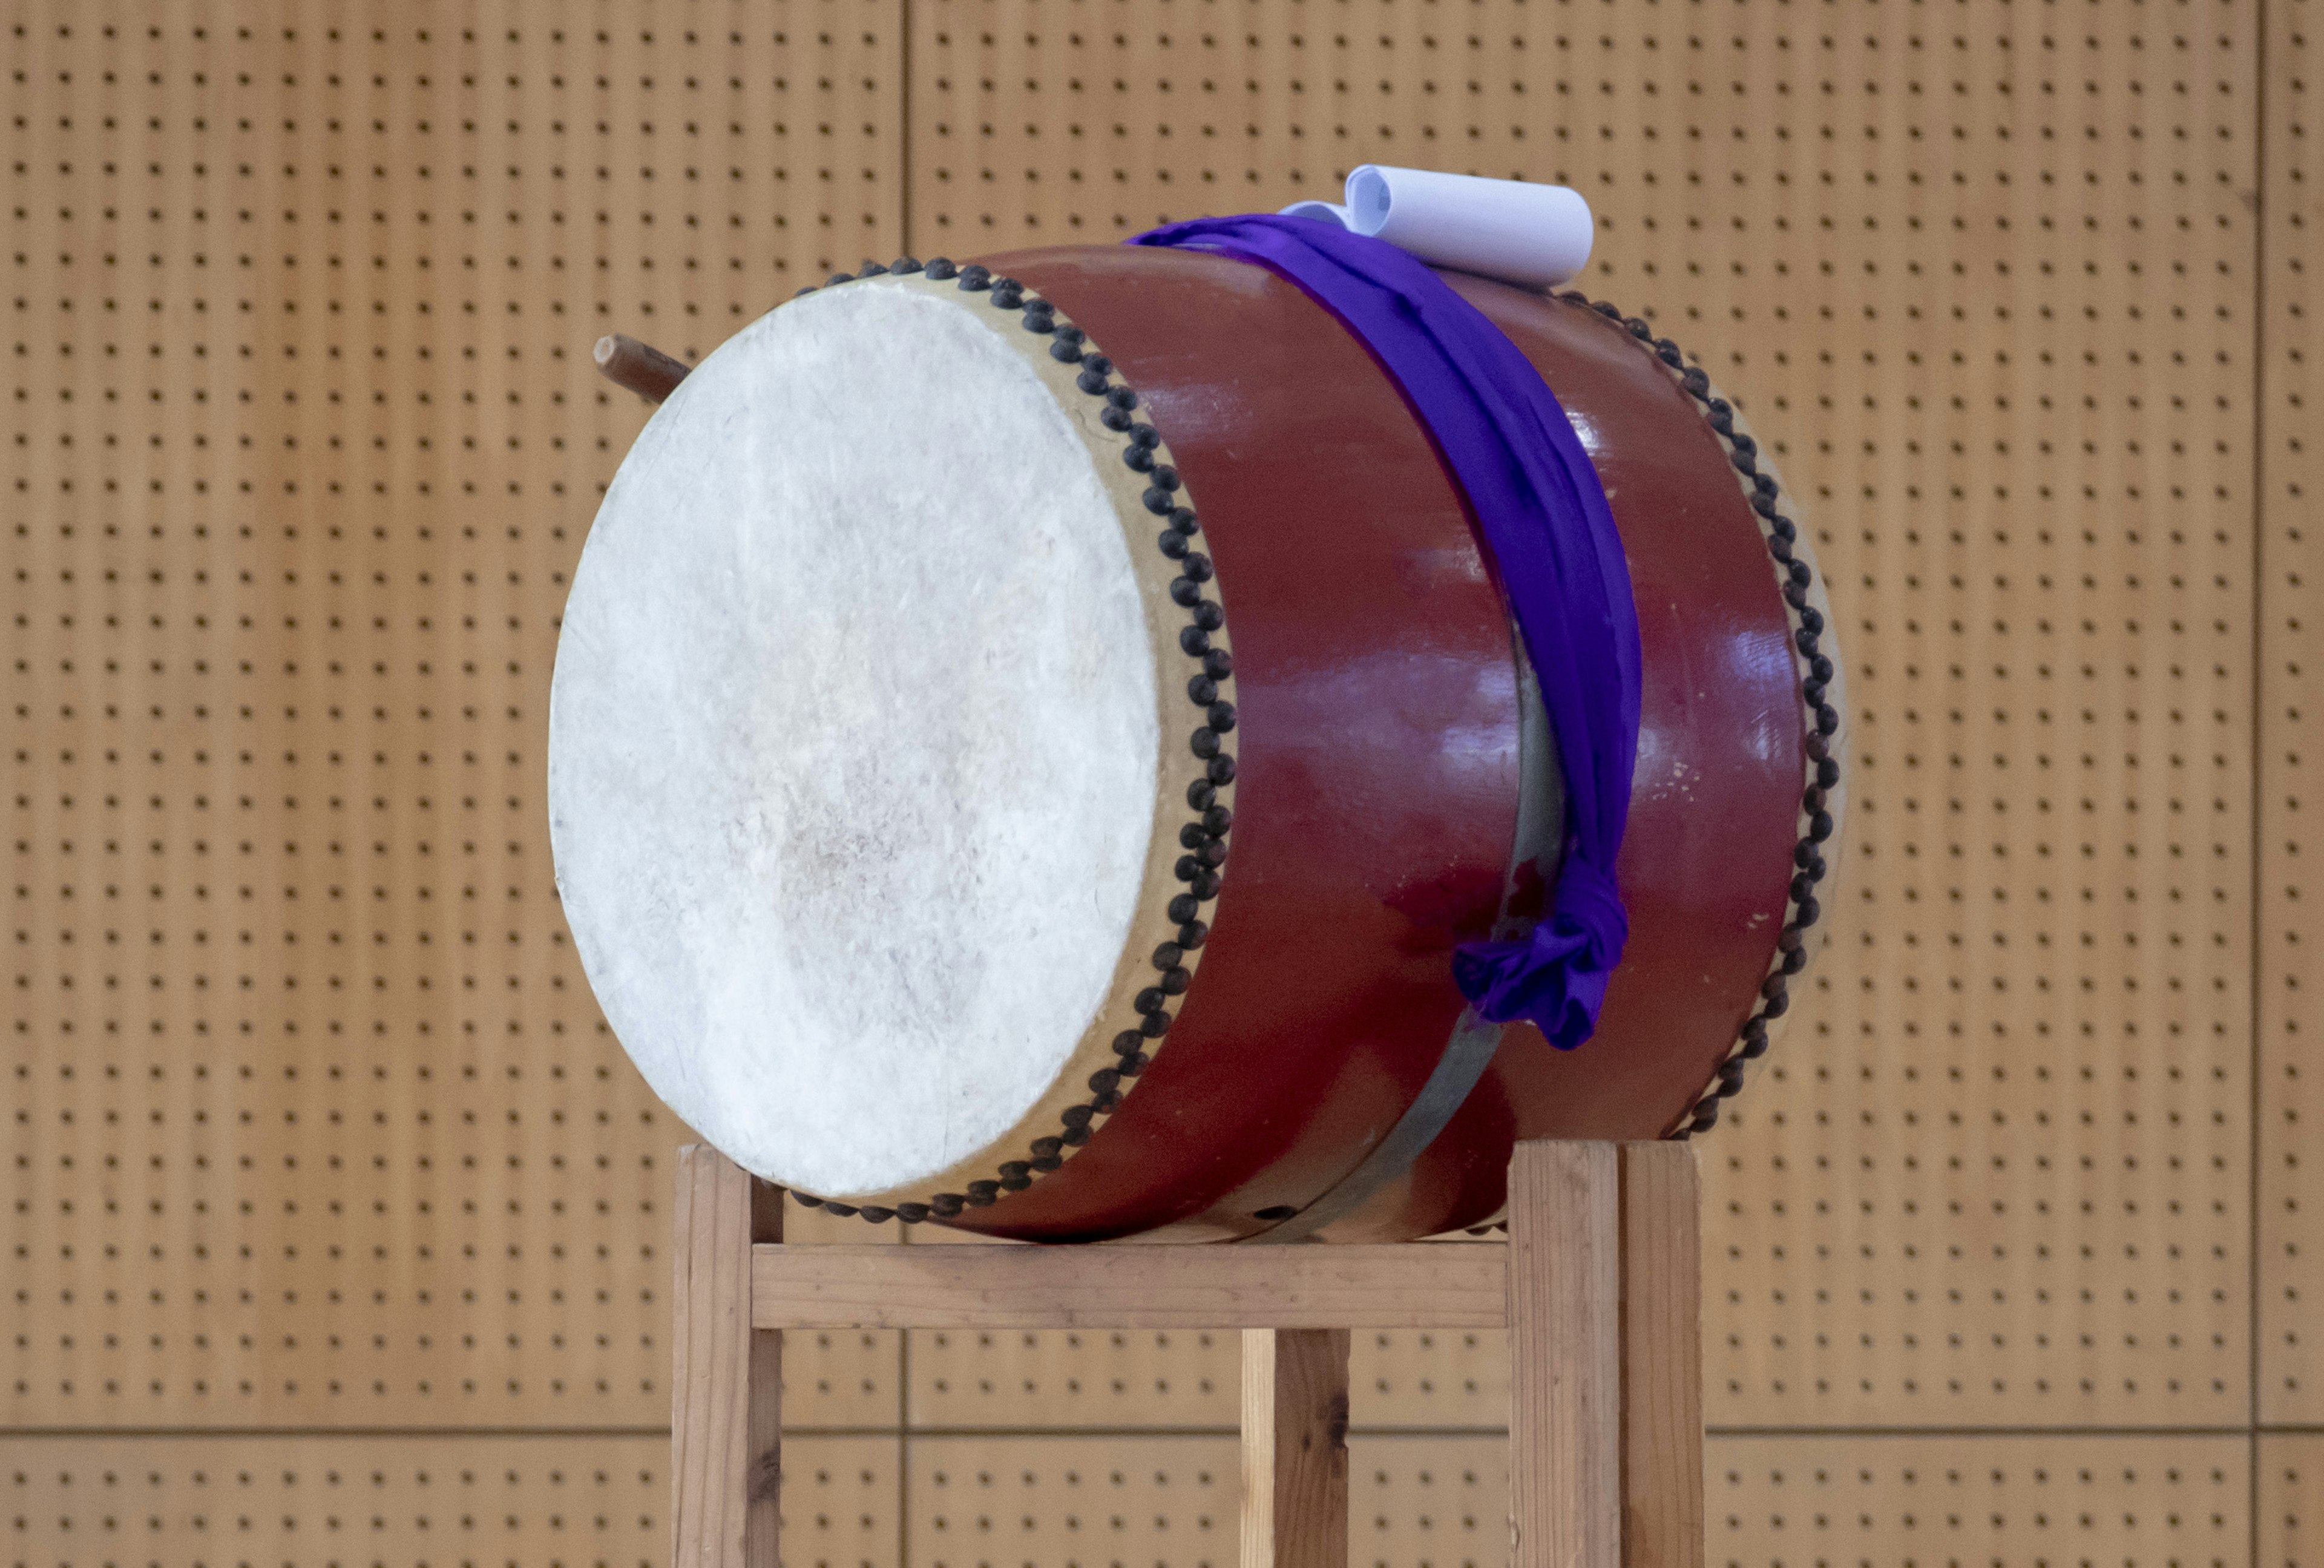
pixel 1599 1286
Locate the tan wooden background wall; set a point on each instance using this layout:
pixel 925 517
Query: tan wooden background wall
pixel 336 1221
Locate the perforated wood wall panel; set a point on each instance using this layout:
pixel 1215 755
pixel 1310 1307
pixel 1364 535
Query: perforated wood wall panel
pixel 2290 1498
pixel 316 1128
pixel 317 1122
pixel 406 1502
pixel 2291 740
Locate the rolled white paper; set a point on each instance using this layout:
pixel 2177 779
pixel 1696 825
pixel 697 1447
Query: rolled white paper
pixel 1321 211
pixel 1532 236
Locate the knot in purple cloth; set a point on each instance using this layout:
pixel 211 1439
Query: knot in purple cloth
pixel 1557 976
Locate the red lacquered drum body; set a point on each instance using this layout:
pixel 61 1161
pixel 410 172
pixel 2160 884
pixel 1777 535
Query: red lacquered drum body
pixel 1378 786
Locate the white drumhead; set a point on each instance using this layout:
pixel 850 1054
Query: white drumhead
pixel 853 740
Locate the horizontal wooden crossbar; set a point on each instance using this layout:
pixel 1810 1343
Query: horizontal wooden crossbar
pixel 1419 1284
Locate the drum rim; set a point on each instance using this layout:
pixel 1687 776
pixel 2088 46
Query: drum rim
pixel 1824 797
pixel 1198 771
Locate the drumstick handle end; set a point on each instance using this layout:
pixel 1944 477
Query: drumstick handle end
pixel 647 372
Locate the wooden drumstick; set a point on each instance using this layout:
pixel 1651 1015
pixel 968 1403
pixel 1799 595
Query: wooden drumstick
pixel 649 373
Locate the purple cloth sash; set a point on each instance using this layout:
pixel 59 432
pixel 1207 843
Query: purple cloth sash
pixel 1545 518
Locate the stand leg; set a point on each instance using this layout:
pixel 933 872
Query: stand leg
pixel 1662 1358
pixel 727 1378
pixel 1295 1448
pixel 1566 1356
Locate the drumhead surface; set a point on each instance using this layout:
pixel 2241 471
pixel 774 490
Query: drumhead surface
pixel 853 741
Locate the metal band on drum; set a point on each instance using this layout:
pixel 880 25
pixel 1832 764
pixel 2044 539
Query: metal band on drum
pixel 1469 1050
